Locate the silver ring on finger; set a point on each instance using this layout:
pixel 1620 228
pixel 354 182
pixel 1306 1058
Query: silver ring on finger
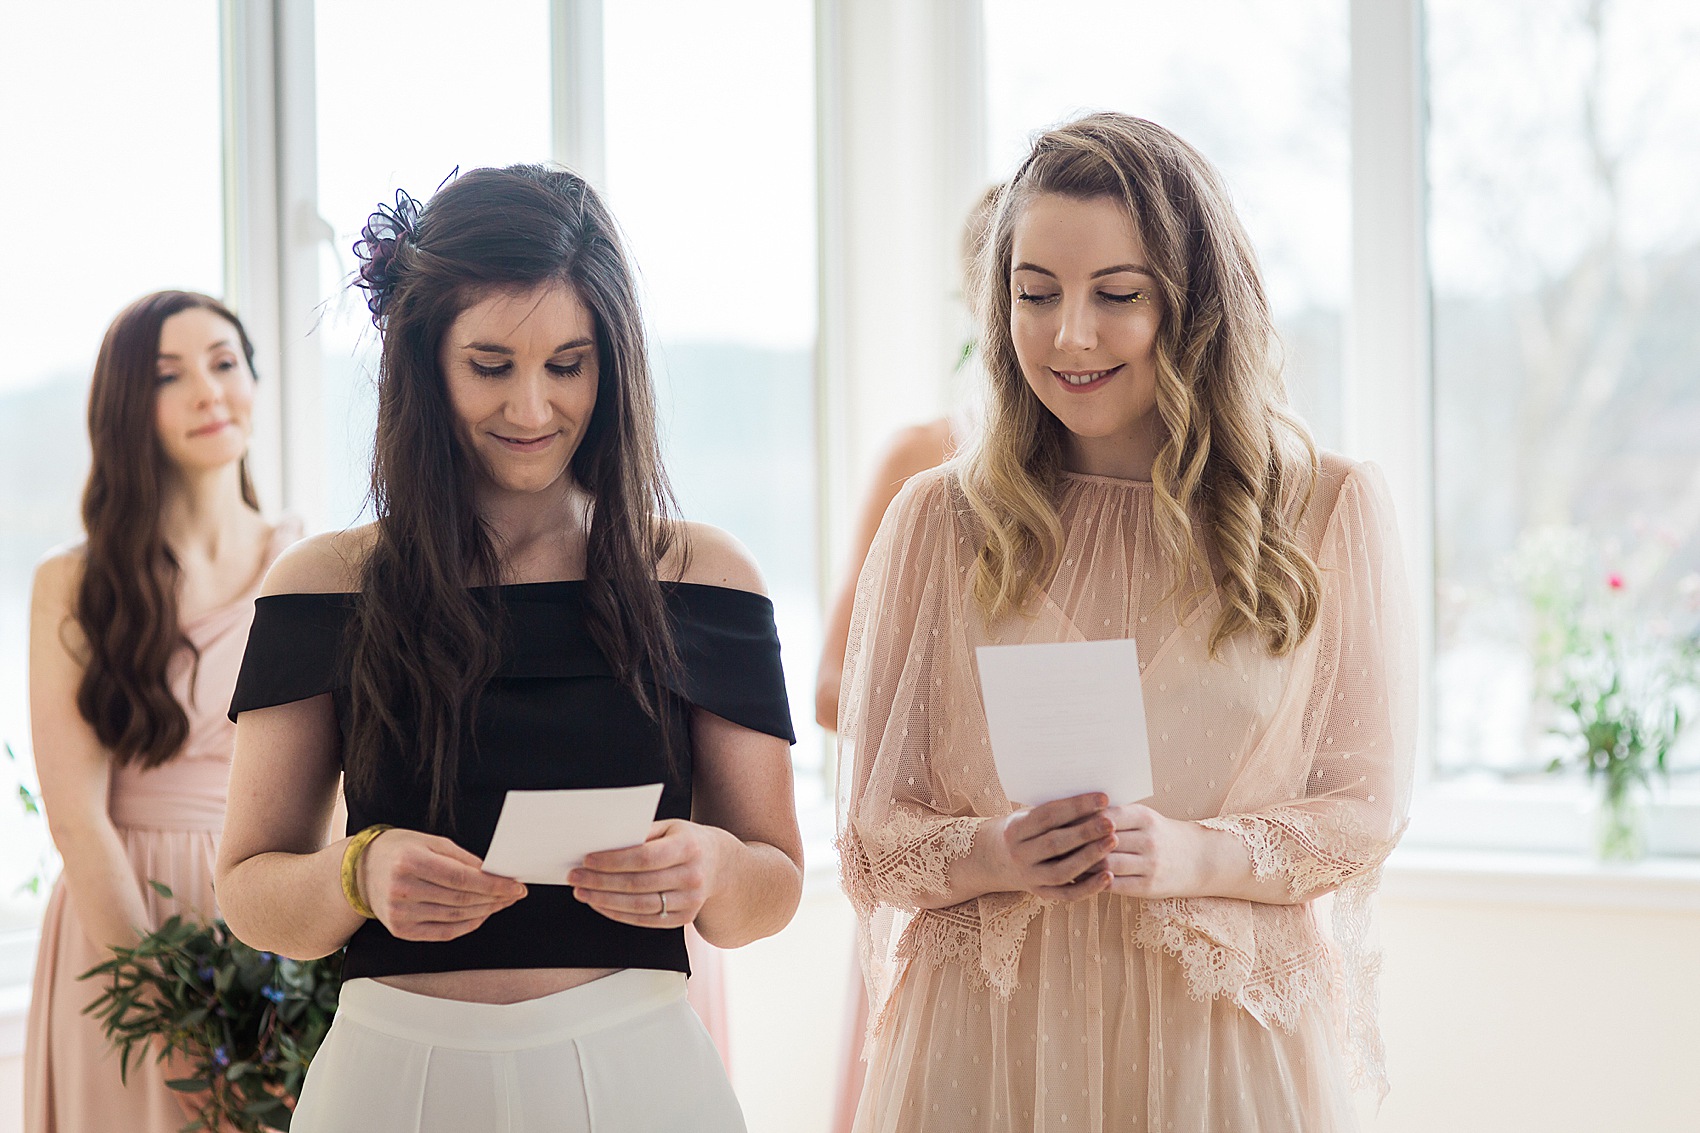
pixel 663 897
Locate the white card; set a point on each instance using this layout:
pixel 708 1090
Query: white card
pixel 541 835
pixel 1067 718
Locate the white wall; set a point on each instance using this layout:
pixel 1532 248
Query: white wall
pixel 1548 1006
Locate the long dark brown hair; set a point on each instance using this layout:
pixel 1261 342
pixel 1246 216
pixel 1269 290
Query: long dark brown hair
pixel 422 646
pixel 126 602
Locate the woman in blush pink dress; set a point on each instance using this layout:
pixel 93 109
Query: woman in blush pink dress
pixel 910 451
pixel 1097 963
pixel 136 636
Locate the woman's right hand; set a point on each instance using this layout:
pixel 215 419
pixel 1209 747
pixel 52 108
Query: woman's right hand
pixel 1058 851
pixel 424 887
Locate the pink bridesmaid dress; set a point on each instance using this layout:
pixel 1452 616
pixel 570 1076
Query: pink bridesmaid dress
pixel 707 992
pixel 169 818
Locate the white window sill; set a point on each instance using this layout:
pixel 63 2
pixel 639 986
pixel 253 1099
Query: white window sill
pixel 1416 873
pixel 1544 816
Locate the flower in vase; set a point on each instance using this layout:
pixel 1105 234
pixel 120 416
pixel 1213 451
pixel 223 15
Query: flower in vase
pixel 1616 667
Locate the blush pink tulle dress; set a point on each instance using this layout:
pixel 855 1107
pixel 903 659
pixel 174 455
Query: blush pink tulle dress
pixel 1009 1013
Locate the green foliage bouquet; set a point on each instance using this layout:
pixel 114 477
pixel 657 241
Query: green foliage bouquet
pixel 246 1022
pixel 1614 660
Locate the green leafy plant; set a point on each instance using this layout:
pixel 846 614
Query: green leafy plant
pixel 247 1023
pixel 1620 676
pixel 1625 712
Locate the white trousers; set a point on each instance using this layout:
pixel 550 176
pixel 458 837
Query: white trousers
pixel 622 1054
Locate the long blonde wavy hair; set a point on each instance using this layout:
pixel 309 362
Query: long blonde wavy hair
pixel 1233 460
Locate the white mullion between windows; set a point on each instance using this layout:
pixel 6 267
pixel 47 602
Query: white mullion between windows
pixel 832 398
pixel 578 116
pixel 900 138
pixel 247 58
pixel 273 235
pixel 301 235
pixel 1388 391
pixel 901 131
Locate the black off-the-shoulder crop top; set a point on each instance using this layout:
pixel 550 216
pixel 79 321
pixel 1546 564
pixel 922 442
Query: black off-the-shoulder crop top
pixel 553 717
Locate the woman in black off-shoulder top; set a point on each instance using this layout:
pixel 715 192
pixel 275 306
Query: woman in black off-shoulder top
pixel 524 614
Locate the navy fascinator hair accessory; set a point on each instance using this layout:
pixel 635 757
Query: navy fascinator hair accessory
pixel 379 249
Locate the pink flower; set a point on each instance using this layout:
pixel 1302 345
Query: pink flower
pixel 1614 580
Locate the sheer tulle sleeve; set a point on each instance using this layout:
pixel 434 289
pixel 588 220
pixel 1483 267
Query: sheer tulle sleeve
pixel 1323 817
pixel 1358 727
pixel 915 774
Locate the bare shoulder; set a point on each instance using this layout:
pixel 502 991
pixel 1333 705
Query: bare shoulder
pixel 61 566
pixel 322 564
pixel 57 576
pixel 914 449
pixel 709 556
pixel 287 527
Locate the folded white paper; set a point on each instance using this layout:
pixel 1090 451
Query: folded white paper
pixel 541 835
pixel 1066 718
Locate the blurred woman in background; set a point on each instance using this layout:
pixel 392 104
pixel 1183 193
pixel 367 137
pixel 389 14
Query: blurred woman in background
pixel 136 635
pixel 910 451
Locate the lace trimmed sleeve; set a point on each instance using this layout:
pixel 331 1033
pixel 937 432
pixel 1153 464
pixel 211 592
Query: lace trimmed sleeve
pixel 1358 727
pixel 915 775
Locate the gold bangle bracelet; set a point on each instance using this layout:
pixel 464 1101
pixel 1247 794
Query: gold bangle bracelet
pixel 351 855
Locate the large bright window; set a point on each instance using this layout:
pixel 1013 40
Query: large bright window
pixel 408 91
pixel 711 173
pixel 1259 88
pixel 113 189
pixel 1565 248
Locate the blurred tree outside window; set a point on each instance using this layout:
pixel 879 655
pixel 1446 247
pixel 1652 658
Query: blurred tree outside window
pixel 1565 257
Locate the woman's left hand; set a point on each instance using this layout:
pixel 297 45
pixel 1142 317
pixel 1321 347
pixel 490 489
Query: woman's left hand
pixel 1156 856
pixel 660 884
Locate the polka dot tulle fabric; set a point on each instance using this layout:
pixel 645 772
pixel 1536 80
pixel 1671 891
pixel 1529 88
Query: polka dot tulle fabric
pixel 1010 1013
